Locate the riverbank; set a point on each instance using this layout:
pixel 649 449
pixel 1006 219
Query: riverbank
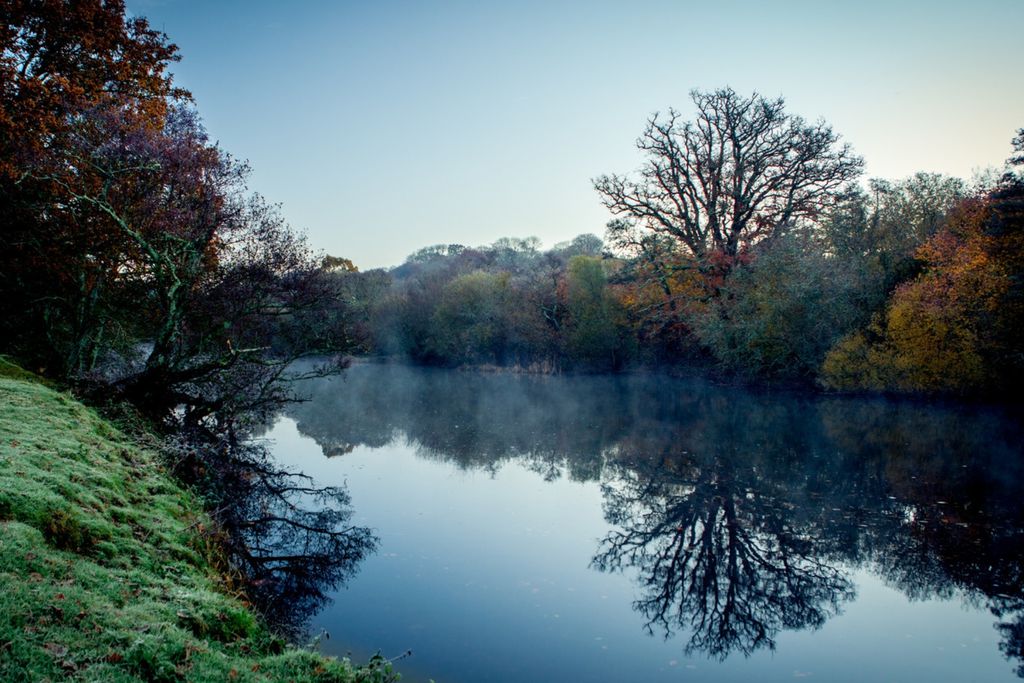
pixel 106 574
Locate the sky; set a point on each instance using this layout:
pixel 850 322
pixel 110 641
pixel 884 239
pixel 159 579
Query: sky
pixel 382 127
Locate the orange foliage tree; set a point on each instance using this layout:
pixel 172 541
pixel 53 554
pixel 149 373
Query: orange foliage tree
pixel 60 57
pixel 61 61
pixel 956 327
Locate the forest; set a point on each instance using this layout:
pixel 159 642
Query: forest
pixel 139 265
pixel 745 247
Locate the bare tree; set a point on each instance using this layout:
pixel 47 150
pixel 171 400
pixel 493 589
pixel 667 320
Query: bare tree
pixel 729 568
pixel 740 172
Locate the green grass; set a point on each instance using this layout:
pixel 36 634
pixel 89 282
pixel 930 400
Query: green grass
pixel 104 574
pixel 13 371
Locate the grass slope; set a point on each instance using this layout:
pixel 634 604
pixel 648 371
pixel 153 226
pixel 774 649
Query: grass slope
pixel 103 574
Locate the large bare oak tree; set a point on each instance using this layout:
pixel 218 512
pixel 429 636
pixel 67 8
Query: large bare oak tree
pixel 742 170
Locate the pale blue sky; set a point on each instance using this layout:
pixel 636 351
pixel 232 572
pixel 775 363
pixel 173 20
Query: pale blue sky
pixel 383 126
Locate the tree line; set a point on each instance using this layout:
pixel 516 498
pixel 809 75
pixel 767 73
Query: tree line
pixel 746 243
pixel 138 265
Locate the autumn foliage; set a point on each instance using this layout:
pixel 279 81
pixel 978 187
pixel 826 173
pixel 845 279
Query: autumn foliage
pixel 139 270
pixel 60 58
pixel 955 328
pixel 135 257
pixel 66 69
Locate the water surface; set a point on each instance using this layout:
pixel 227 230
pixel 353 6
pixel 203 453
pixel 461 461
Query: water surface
pixel 639 528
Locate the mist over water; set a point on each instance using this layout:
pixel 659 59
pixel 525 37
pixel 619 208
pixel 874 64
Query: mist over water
pixel 643 528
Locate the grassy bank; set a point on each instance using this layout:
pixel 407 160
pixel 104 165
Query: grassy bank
pixel 104 574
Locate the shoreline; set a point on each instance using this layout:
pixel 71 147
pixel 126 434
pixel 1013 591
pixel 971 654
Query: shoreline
pixel 106 570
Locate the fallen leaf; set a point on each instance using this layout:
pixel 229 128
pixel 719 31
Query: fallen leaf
pixel 56 649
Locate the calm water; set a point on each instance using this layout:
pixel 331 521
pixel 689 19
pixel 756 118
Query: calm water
pixel 643 529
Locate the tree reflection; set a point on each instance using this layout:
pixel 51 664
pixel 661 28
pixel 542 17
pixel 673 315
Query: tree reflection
pixel 716 559
pixel 742 514
pixel 961 548
pixel 283 540
pixel 560 426
pixel 961 532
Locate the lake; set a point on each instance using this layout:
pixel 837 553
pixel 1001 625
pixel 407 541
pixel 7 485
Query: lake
pixel 638 528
